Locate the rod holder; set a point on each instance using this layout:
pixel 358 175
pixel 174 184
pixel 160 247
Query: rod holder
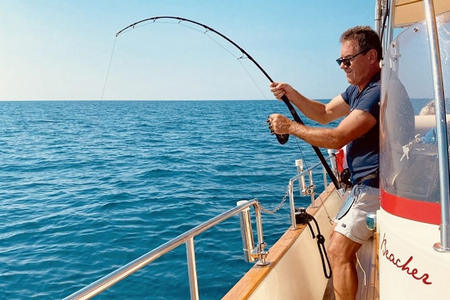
pixel 311 188
pixel 302 183
pixel 332 155
pixel 248 243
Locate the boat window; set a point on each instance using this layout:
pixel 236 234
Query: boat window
pixel 408 157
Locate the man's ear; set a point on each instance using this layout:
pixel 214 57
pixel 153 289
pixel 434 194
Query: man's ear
pixel 373 56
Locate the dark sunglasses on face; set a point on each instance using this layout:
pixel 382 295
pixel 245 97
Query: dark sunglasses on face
pixel 348 60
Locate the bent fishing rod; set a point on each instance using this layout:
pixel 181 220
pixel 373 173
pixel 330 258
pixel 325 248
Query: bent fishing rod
pixel 282 138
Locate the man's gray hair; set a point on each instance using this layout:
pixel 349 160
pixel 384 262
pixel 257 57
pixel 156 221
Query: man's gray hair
pixel 366 37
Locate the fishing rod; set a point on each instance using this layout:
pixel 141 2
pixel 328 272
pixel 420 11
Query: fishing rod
pixel 282 138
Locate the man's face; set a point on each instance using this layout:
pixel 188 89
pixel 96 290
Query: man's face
pixel 357 70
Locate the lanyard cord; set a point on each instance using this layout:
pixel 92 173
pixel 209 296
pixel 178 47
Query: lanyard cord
pixel 302 217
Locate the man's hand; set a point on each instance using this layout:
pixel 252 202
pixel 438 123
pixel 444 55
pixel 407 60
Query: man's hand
pixel 280 89
pixel 279 124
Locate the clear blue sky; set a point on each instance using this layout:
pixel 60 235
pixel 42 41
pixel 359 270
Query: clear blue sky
pixel 60 50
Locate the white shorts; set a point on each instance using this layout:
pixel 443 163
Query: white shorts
pixel 353 223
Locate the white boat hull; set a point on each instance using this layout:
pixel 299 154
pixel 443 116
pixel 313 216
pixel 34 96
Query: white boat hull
pixel 410 268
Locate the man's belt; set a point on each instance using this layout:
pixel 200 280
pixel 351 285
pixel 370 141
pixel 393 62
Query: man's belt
pixel 369 179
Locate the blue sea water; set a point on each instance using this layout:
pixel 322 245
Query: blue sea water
pixel 88 186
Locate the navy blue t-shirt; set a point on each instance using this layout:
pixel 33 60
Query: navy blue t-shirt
pixel 363 152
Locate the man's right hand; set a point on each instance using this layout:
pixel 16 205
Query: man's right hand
pixel 280 89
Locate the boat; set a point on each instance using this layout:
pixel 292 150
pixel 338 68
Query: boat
pixel 409 254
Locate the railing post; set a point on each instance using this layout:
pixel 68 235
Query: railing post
pixel 441 125
pixel 259 229
pixel 311 187
pixel 248 243
pixel 261 244
pixel 378 16
pixel 292 204
pixel 192 269
pixel 389 30
pixel 301 180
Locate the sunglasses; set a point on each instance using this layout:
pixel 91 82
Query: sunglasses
pixel 348 60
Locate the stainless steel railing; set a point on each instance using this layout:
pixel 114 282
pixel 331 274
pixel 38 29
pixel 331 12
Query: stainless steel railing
pixel 187 238
pixel 306 183
pixel 441 126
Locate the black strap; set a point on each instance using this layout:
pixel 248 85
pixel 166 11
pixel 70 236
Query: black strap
pixel 370 179
pixel 302 217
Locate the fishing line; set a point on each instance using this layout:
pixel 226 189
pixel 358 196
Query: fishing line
pixel 239 59
pixel 252 79
pixel 282 139
pixel 108 68
pixel 299 146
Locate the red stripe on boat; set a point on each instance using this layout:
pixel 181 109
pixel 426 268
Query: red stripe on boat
pixel 422 211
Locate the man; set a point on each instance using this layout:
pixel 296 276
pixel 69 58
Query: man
pixel 360 56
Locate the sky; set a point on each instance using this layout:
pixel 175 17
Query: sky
pixel 67 50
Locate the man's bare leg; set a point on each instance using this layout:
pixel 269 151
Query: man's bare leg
pixel 342 254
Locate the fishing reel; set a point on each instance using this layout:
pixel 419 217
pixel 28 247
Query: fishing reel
pixel 282 138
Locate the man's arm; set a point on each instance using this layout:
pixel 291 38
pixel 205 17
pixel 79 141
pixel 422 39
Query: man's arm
pixel 356 124
pixel 317 111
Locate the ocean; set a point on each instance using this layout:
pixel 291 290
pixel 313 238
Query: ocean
pixel 88 186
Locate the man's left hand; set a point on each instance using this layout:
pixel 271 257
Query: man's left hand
pixel 279 124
